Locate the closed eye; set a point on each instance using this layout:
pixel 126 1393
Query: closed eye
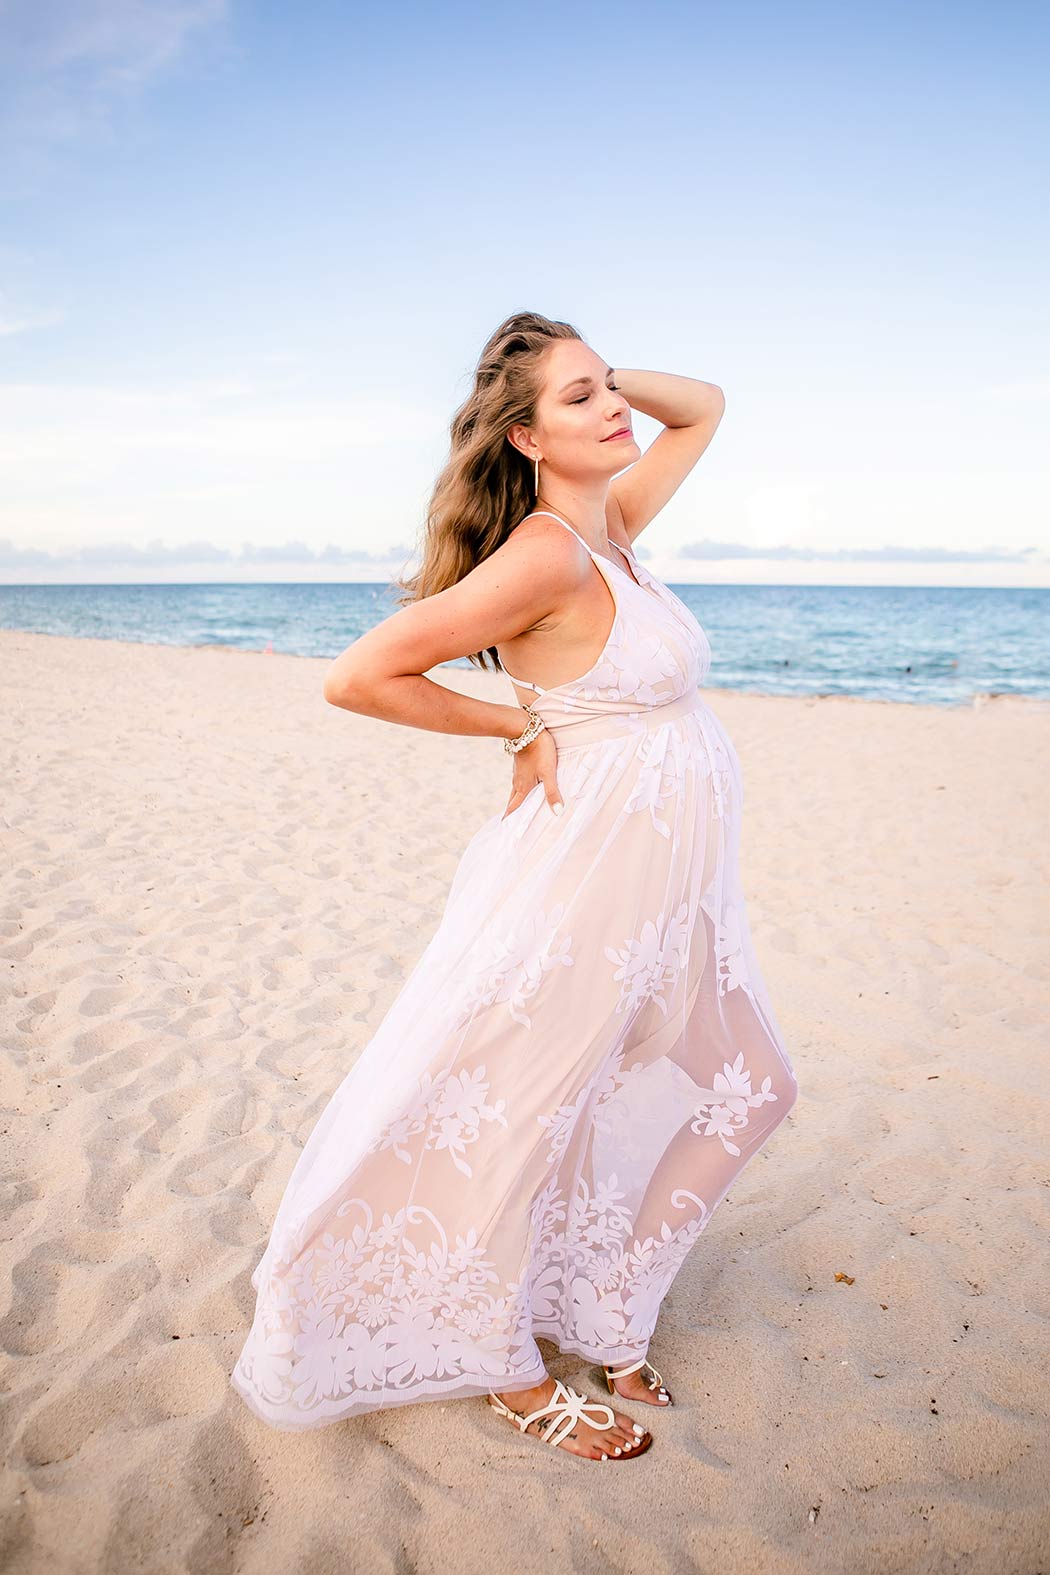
pixel 613 386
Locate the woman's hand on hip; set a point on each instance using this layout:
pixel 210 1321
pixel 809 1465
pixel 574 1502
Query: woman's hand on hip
pixel 537 762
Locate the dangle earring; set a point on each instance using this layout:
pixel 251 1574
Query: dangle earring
pixel 537 475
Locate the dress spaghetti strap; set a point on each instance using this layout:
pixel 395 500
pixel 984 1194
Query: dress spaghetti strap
pixel 627 552
pixel 551 515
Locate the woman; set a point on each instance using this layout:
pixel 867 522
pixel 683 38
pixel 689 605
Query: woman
pixel 584 1058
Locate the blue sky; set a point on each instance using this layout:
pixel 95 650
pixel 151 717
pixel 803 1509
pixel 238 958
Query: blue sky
pixel 250 253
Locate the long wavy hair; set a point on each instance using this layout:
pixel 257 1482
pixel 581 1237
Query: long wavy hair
pixel 486 486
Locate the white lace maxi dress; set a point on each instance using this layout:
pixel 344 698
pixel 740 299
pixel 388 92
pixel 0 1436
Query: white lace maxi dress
pixel 580 1064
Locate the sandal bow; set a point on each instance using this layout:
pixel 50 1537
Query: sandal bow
pixel 570 1407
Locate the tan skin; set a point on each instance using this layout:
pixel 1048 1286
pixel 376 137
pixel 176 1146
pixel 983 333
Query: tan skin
pixel 548 611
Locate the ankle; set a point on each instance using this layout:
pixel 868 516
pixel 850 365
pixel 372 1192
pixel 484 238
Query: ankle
pixel 536 1391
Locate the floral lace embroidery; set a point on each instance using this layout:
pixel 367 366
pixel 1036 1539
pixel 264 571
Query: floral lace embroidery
pixel 665 770
pixel 592 1276
pixel 732 970
pixel 376 1307
pixel 510 967
pixel 723 1110
pixel 638 668
pixel 564 1122
pixel 652 961
pixel 449 1109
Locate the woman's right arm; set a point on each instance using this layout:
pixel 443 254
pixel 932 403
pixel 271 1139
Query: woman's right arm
pixel 528 578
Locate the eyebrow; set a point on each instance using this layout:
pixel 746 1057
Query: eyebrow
pixel 565 390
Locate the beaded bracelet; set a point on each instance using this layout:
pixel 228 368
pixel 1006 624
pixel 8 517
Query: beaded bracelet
pixel 533 726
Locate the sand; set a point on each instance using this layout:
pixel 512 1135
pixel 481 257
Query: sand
pixel 213 885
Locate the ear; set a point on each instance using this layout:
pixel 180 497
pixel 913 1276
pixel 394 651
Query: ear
pixel 518 437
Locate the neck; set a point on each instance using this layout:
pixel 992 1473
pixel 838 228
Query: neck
pixel 583 507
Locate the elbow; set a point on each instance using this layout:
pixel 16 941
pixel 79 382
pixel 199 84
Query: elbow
pixel 342 688
pixel 334 695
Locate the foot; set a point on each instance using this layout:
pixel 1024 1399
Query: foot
pixel 644 1384
pixel 624 1439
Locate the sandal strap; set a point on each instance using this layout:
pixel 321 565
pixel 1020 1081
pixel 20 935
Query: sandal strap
pixel 504 1410
pixel 568 1406
pixel 623 1372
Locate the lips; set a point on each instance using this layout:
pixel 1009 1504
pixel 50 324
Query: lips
pixel 620 432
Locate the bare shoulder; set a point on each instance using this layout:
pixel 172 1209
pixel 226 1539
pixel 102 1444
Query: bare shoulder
pixel 546 551
pixel 529 581
pixel 543 566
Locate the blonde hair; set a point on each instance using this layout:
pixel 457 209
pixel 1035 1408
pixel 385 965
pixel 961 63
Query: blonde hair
pixel 487 485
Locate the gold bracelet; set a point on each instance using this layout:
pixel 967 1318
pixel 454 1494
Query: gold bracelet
pixel 533 727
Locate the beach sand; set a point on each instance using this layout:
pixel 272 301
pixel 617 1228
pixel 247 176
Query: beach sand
pixel 213 886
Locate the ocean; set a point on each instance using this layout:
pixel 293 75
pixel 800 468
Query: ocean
pixel 938 646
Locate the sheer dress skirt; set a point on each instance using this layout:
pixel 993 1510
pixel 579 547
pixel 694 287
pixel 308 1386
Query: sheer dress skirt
pixel 579 1065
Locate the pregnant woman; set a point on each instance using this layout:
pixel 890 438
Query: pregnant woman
pixel 585 1057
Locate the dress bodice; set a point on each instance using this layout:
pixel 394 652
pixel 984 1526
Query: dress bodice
pixel 656 655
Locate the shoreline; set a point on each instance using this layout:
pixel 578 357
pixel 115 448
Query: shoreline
pixel 974 701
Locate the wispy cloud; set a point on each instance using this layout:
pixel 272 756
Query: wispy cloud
pixel 124 41
pixel 157 556
pixel 14 322
pixel 724 550
pixel 66 65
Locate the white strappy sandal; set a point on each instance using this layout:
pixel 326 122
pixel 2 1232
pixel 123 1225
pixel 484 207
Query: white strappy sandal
pixel 612 1373
pixel 565 1408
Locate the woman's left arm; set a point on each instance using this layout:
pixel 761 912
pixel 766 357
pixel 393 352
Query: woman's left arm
pixel 690 411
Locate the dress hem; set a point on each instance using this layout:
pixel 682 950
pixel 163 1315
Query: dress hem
pixel 471 1387
pixel 327 1414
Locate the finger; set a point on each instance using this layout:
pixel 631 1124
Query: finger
pixel 554 798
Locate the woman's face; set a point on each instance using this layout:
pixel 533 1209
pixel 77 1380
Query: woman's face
pixel 577 413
